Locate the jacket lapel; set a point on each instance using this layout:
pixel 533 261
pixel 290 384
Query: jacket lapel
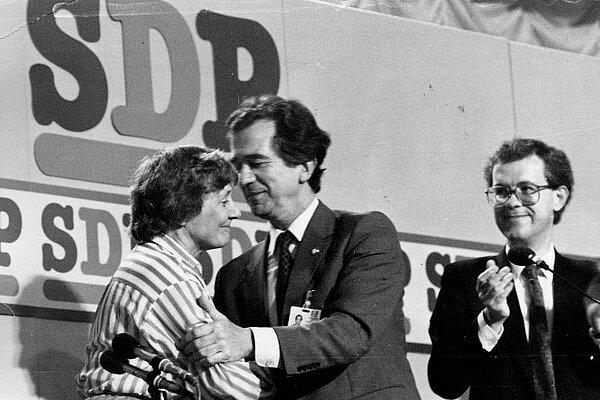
pixel 567 301
pixel 309 255
pixel 514 328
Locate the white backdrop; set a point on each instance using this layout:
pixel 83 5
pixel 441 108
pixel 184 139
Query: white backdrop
pixel 414 110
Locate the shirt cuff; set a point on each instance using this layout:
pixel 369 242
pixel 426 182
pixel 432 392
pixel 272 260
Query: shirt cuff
pixel 487 336
pixel 266 347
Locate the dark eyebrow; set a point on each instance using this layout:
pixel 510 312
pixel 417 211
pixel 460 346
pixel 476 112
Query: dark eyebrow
pixel 248 158
pixel 527 183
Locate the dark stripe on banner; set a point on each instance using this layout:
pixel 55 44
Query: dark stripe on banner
pixel 55 314
pixel 71 157
pixel 440 241
pixel 73 292
pixel 420 348
pixel 64 191
pixel 88 317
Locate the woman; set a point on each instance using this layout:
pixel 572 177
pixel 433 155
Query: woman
pixel 180 206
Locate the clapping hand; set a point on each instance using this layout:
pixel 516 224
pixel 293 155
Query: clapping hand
pixel 493 287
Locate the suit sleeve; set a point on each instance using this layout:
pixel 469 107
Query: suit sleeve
pixel 456 351
pixel 365 297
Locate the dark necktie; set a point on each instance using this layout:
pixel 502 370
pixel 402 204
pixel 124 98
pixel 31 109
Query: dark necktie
pixel 285 263
pixel 539 339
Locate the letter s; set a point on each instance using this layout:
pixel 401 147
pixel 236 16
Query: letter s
pixel 62 238
pixel 433 260
pixel 87 110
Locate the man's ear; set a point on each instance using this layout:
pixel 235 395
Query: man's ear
pixel 561 195
pixel 306 170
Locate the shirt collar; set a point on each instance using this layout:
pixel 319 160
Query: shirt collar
pixel 297 227
pixel 177 249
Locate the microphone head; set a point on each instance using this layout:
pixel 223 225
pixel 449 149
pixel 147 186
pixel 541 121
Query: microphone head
pixel 110 362
pixel 521 255
pixel 124 344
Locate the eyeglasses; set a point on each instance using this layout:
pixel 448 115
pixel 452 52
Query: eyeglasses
pixel 527 193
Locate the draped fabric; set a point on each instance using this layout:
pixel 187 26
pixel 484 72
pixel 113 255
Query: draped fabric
pixel 568 25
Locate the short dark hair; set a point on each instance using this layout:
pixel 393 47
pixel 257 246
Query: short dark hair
pixel 168 188
pixel 298 138
pixel 557 166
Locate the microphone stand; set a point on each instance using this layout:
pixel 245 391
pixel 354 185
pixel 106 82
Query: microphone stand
pixel 571 284
pixel 154 392
pixel 543 265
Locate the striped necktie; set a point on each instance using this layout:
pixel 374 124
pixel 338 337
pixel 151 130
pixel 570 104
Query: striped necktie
pixel 285 263
pixel 539 339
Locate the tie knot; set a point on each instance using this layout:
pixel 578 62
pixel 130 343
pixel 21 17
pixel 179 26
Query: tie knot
pixel 285 239
pixel 531 272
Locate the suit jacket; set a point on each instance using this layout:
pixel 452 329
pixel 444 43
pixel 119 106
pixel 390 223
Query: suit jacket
pixel 358 348
pixel 458 361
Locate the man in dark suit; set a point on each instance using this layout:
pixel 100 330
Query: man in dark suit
pixel 347 266
pixel 480 325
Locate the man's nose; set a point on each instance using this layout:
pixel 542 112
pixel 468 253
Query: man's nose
pixel 513 201
pixel 245 175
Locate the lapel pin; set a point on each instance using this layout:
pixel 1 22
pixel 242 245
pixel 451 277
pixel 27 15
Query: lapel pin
pixel 315 251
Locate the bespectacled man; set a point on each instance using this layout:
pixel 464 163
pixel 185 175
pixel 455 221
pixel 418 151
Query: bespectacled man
pixel 501 334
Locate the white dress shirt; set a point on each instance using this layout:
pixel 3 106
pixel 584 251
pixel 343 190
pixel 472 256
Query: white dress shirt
pixel 266 344
pixel 488 336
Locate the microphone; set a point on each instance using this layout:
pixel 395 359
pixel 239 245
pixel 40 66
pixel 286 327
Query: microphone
pixel 521 255
pixel 127 347
pixel 112 363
